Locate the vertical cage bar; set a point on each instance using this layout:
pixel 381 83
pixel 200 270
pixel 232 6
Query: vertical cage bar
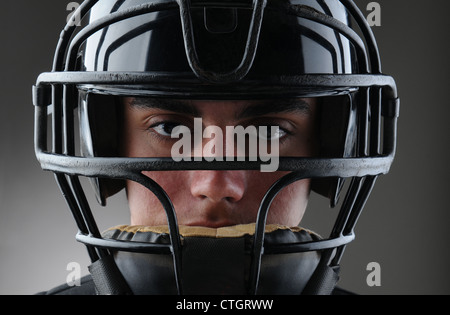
pixel 258 241
pixel 76 213
pixel 363 110
pixel 366 189
pixel 347 206
pixel 375 61
pixel 57 140
pixel 375 121
pixel 174 233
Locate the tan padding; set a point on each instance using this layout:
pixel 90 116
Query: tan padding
pixel 201 231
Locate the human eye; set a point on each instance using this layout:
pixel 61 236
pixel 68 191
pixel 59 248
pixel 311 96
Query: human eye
pixel 272 129
pixel 165 128
pixel 271 133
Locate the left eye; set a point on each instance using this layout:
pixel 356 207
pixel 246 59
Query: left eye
pixel 271 132
pixel 165 129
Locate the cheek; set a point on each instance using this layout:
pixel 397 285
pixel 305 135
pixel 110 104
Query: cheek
pixel 145 207
pixel 290 204
pixel 287 208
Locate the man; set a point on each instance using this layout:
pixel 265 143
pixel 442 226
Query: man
pixel 218 119
pixel 217 198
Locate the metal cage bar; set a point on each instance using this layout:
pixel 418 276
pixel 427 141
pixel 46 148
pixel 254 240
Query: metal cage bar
pixel 250 48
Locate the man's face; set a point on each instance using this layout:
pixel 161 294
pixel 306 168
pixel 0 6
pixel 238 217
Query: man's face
pixel 217 198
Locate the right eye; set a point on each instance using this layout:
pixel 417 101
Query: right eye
pixel 165 128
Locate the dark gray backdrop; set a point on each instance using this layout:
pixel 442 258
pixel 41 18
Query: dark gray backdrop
pixel 404 226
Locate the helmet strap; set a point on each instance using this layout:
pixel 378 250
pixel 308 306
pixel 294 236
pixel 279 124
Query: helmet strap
pixel 323 281
pixel 107 278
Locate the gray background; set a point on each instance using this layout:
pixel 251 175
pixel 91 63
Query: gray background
pixel 404 226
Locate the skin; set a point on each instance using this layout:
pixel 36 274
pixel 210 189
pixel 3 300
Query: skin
pixel 216 198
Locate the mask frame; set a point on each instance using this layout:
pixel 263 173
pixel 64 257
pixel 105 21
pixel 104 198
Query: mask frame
pixel 376 145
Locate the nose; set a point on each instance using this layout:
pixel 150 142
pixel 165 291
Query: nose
pixel 219 186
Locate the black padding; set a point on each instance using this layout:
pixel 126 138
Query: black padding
pixel 107 277
pixel 216 265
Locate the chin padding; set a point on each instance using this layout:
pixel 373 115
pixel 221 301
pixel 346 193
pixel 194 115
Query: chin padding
pixel 215 261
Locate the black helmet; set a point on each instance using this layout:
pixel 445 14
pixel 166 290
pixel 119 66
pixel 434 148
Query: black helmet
pixel 216 50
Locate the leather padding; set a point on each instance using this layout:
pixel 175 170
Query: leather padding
pixel 151 233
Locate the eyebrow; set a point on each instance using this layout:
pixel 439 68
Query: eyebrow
pixel 260 108
pixel 268 107
pixel 178 106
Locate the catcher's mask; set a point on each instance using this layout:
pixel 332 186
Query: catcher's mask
pixel 216 50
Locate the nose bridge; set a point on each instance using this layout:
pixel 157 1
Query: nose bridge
pixel 218 186
pixel 214 144
pixel 222 142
